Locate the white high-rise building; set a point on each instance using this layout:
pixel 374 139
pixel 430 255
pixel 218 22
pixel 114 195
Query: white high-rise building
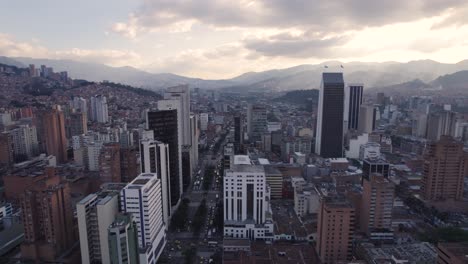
pixel 93 151
pixel 204 121
pixel 96 212
pixel 367 117
pixel 99 111
pixel 154 158
pixel 142 199
pixel 182 94
pixel 25 140
pixel 246 201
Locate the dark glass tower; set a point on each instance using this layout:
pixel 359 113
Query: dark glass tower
pixel 355 101
pixel 164 125
pixel 329 136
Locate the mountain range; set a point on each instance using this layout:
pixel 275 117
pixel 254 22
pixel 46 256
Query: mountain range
pixel 422 73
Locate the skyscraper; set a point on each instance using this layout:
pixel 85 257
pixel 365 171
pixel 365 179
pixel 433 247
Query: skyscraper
pixel 256 122
pixel 96 212
pixel 99 111
pixel 25 141
pixel 335 229
pixel 109 163
pixel 165 125
pixel 154 156
pixel 444 170
pixel 129 164
pixel 329 135
pixel 6 149
pixel 440 124
pixel 142 199
pixel 181 93
pixel 355 92
pixel 54 133
pixel 77 124
pixel 376 204
pixel 367 116
pixel 238 133
pixel 47 218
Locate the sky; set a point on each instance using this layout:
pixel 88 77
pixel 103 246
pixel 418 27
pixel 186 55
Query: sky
pixel 216 39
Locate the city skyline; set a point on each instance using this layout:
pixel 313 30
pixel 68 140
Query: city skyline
pixel 204 39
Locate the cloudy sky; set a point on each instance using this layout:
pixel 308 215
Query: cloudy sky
pixel 224 38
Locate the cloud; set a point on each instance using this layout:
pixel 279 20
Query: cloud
pixel 12 48
pixel 303 45
pixel 321 15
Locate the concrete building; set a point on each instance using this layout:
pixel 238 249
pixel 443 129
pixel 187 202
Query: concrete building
pixel 25 142
pixel 247 212
pixel 371 166
pixel 335 230
pixel 96 212
pixel 91 155
pixel 376 204
pixel 204 121
pixel 355 146
pixel 274 179
pixel 109 163
pixel 123 240
pixel 98 109
pixel 367 117
pixel 330 119
pixel 306 199
pixel 142 199
pixel 452 253
pixel 181 93
pixel 256 122
pixel 47 219
pixel 6 149
pixel 56 144
pixel 79 104
pixel 166 128
pixel 369 151
pixel 77 124
pixel 129 164
pixel 445 166
pixel 440 124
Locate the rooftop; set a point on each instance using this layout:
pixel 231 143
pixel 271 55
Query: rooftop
pixel 242 159
pixel 332 77
pixel 247 168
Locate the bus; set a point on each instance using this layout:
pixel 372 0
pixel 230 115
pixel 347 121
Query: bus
pixel 212 243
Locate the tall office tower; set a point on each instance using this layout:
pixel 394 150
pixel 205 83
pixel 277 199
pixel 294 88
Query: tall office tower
pixel 154 156
pixel 335 230
pixel 377 204
pixel 129 168
pixel 99 111
pixel 77 124
pixel 375 165
pixel 79 104
pixel 54 133
pixel 25 141
pixel 204 119
pixel 47 218
pixel 238 133
pixel 186 167
pixel 367 116
pixel 195 136
pixel 95 213
pixel 246 201
pixel 6 149
pixel 256 122
pixel 142 199
pixel 354 94
pixel 329 135
pixel 445 166
pixel 123 240
pixel 165 124
pixel 92 152
pixel 441 124
pixel 109 163
pixel 182 94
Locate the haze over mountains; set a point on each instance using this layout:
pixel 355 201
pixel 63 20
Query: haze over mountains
pixel 421 74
